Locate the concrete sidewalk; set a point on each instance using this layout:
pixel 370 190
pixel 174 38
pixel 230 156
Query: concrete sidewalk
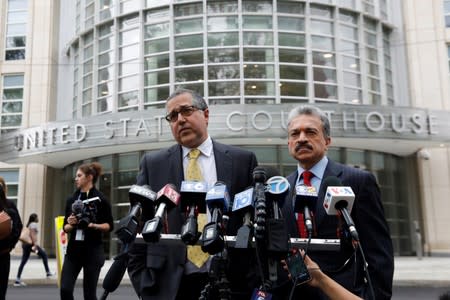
pixel 429 271
pixel 34 271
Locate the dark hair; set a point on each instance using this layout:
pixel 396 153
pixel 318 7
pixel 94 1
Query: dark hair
pixel 445 296
pixel 94 169
pixel 197 100
pixel 312 111
pixel 33 217
pixel 3 202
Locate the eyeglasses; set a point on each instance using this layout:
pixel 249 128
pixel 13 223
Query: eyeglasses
pixel 185 111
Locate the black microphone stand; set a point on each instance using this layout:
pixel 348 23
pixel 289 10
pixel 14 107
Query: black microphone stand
pixel 119 265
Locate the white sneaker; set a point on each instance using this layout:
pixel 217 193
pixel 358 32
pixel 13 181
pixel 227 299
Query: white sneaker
pixel 19 283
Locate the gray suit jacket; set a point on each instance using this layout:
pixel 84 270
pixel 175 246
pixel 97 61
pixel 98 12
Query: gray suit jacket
pixel 368 215
pixel 156 270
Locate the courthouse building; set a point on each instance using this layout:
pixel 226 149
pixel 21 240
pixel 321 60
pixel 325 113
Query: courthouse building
pixel 86 80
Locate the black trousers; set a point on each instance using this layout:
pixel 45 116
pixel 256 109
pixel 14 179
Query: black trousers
pixel 5 263
pixel 26 251
pixel 191 286
pixel 91 262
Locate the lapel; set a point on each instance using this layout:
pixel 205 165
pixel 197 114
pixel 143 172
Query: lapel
pixel 288 209
pixel 332 169
pixel 175 168
pixel 224 164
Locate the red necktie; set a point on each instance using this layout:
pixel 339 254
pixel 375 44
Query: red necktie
pixel 306 175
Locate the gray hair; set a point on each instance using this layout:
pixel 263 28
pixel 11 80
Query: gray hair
pixel 311 111
pixel 197 100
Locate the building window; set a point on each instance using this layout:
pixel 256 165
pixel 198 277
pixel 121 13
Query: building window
pixel 388 67
pixel 89 14
pixel 106 9
pixel 350 56
pixel 371 47
pixel 16 29
pixel 87 73
pixel 12 102
pixel 76 72
pixel 12 183
pixel 128 57
pixel 448 55
pixel 447 13
pixel 106 68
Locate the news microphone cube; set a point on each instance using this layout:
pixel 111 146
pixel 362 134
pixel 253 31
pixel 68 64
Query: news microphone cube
pixel 338 197
pixel 277 185
pixel 243 199
pixel 168 195
pixel 193 193
pixel 305 196
pixel 218 195
pixel 141 194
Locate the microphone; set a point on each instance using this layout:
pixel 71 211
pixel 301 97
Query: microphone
pixel 193 194
pixel 167 198
pixel 77 207
pixel 339 201
pixel 305 200
pixel 259 176
pixel 218 201
pixel 139 196
pixel 115 274
pixel 277 188
pixel 243 203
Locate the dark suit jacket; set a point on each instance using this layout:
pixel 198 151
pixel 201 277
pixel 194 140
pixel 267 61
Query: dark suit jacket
pixel 368 215
pixel 156 269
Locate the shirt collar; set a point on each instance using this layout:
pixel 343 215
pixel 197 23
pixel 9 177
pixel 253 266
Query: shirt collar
pixel 318 169
pixel 206 148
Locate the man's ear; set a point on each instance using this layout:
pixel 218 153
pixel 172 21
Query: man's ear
pixel 206 114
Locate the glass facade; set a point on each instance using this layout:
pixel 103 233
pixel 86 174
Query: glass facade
pixel 446 4
pixel 120 171
pixel 129 55
pixel 11 178
pixel 240 51
pixel 11 102
pixel 16 29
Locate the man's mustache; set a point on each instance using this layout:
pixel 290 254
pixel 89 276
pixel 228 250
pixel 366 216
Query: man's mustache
pixel 304 145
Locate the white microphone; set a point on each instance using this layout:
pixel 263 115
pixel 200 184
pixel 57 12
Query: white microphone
pixel 339 200
pixel 305 199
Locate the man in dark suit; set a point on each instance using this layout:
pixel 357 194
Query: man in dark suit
pixel 158 271
pixel 308 141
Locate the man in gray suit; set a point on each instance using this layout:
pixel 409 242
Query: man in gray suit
pixel 158 271
pixel 308 141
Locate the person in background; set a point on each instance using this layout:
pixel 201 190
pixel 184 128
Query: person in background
pixel 12 236
pixel 86 223
pixel 34 246
pixel 308 141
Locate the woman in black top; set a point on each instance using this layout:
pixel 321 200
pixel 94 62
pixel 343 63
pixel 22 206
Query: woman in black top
pixel 85 222
pixel 8 243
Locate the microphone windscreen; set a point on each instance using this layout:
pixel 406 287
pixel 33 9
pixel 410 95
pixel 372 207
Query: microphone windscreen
pixel 115 274
pixel 271 171
pixel 77 206
pixel 259 174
